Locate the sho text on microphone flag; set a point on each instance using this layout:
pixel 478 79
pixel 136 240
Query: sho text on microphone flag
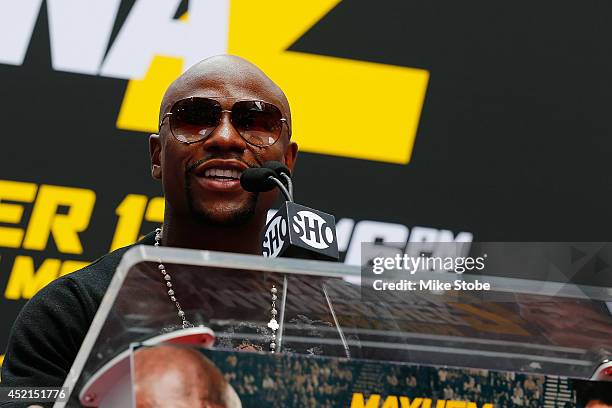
pixel 297 231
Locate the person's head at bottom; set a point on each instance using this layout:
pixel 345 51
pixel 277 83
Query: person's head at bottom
pixel 593 394
pixel 167 376
pixel 598 404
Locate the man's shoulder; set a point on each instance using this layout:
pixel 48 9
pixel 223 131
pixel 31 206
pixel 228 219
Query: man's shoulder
pixel 50 328
pixel 95 277
pixel 69 301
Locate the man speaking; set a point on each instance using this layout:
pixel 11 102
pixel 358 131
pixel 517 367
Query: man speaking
pixel 222 116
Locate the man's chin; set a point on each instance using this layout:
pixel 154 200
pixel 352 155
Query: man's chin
pixel 222 211
pixel 224 217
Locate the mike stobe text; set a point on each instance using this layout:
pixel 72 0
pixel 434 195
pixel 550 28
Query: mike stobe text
pixel 430 284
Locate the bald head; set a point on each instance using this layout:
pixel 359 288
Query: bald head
pixel 226 76
pixel 179 377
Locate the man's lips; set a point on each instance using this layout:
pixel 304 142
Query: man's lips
pixel 220 175
pixel 222 185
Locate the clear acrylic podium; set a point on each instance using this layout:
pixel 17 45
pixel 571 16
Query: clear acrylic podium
pixel 524 326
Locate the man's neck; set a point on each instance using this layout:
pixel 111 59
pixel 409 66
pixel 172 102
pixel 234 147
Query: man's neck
pixel 244 239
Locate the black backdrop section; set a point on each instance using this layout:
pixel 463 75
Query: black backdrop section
pixel 513 142
pixel 514 139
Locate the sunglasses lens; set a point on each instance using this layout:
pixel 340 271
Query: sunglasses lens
pixel 194 119
pixel 259 123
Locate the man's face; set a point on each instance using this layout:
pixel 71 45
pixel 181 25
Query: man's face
pixel 195 176
pixel 166 376
pixel 597 404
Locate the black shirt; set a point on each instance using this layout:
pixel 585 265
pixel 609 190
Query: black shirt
pixel 50 328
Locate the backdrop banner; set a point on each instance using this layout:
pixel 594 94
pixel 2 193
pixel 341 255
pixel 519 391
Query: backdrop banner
pixel 417 121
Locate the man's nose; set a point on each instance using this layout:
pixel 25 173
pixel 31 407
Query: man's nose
pixel 225 136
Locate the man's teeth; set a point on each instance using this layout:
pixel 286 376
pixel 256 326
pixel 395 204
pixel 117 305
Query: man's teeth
pixel 227 173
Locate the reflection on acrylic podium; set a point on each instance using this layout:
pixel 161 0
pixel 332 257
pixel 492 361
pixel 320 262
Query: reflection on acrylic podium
pixel 336 345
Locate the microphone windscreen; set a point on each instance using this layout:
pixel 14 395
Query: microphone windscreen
pixel 278 167
pixel 256 179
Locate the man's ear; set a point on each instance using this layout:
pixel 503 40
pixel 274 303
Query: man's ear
pixel 155 152
pixel 291 155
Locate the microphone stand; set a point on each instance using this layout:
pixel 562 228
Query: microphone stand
pixel 287 193
pixel 289 184
pixel 347 351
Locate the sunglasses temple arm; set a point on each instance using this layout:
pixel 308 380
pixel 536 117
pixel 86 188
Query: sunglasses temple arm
pixel 161 122
pixel 282 188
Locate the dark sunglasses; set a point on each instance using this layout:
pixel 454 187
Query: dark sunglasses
pixel 194 119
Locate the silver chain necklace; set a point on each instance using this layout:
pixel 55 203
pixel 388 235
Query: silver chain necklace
pixel 168 280
pixel 272 324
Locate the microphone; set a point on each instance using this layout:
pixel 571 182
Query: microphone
pixel 295 231
pixel 257 179
pixel 278 167
pixel 261 179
